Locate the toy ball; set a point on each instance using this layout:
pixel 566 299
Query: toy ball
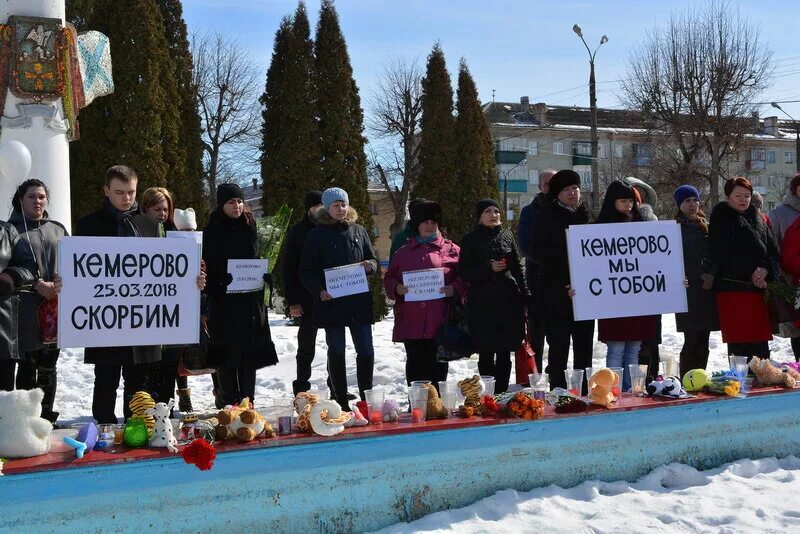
pixel 695 380
pixel 136 433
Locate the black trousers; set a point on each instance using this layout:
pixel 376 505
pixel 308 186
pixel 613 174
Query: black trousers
pixel 237 383
pixel 694 354
pixel 498 365
pixel 337 364
pixel 38 370
pixel 7 369
pixel 306 345
pixel 756 348
pixel 161 377
pixel 421 362
pixel 536 329
pixel 796 348
pixel 106 382
pixel 559 333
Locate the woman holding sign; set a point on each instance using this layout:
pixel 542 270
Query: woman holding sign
pixel 36 324
pixel 238 325
pixel 490 263
pixel 624 335
pixel 337 258
pixel 743 257
pixel 425 257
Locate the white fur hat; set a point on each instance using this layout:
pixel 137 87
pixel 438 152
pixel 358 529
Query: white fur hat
pixel 185 219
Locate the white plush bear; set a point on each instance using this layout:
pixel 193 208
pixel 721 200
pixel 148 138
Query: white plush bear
pixel 22 432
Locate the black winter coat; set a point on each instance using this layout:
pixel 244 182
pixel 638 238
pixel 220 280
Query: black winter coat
pixel 702 314
pixel 293 289
pixel 527 222
pixel 15 260
pixel 237 322
pixel 550 250
pixel 333 244
pixel 739 243
pixel 42 236
pixel 495 301
pixel 104 223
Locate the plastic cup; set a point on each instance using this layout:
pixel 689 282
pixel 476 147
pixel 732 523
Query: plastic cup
pixel 375 398
pixel 589 373
pixel 448 390
pixel 119 432
pixel 670 365
pixel 420 383
pixel 746 386
pixel 488 385
pixel 574 379
pixel 617 390
pixel 638 379
pixel 285 413
pixel 418 397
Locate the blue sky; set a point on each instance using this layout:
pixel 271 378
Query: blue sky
pixel 515 48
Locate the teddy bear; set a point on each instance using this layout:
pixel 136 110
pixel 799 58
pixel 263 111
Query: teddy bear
pixel 600 385
pixel 436 408
pixel 228 419
pixel 769 375
pixel 23 433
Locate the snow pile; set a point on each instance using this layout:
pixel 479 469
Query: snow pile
pixel 744 496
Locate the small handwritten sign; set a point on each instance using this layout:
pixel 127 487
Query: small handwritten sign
pixel 248 275
pixel 424 284
pixel 346 280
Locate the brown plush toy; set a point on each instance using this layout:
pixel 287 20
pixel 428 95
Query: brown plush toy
pixel 769 375
pixel 436 408
pixel 228 420
pixel 600 385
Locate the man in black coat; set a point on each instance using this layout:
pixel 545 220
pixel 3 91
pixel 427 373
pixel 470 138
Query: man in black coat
pixel 300 301
pixel 562 210
pixel 337 241
pixel 118 216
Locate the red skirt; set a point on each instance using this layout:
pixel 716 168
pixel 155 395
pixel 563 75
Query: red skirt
pixel 743 317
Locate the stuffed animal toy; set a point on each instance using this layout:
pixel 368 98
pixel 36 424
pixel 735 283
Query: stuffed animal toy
pixel 251 425
pixel 228 417
pixel 391 411
pixel 793 368
pixel 668 387
pixel 303 404
pixel 600 385
pixel 769 375
pixel 85 440
pixel 356 419
pixel 139 404
pixel 304 398
pixel 471 389
pixel 436 408
pixel 162 435
pixel 23 433
pixel 695 380
pixel 655 387
pixel 136 432
pixel 327 418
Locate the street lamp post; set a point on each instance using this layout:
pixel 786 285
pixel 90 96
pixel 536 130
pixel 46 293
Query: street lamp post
pixel 796 133
pixel 593 115
pixel 505 185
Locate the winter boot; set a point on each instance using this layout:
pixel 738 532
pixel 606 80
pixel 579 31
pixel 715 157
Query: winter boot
pixel 185 400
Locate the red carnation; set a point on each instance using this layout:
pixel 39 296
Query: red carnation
pixel 200 453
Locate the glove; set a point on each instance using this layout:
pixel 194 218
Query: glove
pixel 228 280
pixel 6 284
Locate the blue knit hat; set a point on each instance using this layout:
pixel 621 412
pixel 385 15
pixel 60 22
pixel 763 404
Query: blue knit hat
pixel 332 194
pixel 685 191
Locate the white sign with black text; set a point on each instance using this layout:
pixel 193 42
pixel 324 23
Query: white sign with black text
pixel 248 275
pixel 346 280
pixel 128 291
pixel 626 269
pixel 187 234
pixel 424 284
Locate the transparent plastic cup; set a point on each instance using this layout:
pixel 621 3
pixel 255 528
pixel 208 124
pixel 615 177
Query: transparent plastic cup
pixel 574 379
pixel 488 384
pixel 284 411
pixel 617 390
pixel 418 398
pixel 375 398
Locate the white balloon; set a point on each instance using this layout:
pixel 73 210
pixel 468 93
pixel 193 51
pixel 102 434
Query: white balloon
pixel 15 161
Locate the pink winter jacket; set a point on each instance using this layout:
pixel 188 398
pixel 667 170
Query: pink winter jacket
pixel 421 320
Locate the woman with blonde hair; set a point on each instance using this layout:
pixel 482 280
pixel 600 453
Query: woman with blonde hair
pixel 157 202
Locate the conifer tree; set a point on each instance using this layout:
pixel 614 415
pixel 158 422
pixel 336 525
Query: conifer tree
pixel 341 126
pixel 188 187
pixel 290 159
pixel 437 179
pixel 138 124
pixel 474 154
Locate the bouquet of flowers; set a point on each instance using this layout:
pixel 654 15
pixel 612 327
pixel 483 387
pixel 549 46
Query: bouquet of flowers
pixel 526 407
pixel 724 383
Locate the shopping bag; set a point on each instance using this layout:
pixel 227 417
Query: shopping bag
pixel 525 363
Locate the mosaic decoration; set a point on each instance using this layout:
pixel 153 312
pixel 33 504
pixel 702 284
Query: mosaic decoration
pixel 73 99
pixel 94 57
pixel 36 52
pixel 5 48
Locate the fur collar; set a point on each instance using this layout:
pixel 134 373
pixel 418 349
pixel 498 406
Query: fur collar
pixel 323 218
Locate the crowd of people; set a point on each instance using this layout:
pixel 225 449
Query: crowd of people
pixel 729 261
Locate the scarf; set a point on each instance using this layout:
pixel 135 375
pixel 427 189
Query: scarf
pixel 571 209
pixel 428 239
pixel 125 227
pixel 698 221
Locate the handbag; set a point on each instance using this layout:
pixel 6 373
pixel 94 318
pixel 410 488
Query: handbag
pixel 193 360
pixel 47 316
pixel 524 361
pixel 453 338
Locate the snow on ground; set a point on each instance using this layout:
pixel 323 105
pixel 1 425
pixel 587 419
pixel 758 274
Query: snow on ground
pixel 746 496
pixel 756 496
